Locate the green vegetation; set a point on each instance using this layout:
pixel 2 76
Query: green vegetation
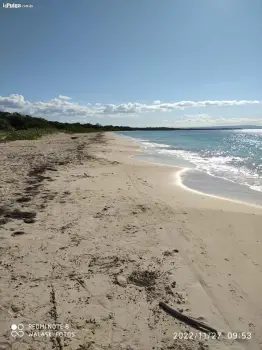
pixel 29 134
pixel 15 126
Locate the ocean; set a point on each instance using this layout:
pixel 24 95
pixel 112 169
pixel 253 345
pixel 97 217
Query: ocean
pixel 226 163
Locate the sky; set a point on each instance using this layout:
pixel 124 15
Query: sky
pixel 133 62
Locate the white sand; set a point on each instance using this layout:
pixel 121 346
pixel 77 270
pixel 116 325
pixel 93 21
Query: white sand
pixel 105 218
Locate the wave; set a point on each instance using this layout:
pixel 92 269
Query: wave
pixel 233 160
pixel 226 167
pixel 230 168
pixel 148 144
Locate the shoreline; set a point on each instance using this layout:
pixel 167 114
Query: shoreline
pixel 184 170
pixel 109 237
pixel 181 183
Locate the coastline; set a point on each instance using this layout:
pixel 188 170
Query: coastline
pixel 104 222
pixel 211 186
pixel 180 182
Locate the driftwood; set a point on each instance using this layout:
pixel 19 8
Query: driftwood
pixel 188 320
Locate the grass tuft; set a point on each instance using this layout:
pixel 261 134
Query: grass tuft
pixel 28 134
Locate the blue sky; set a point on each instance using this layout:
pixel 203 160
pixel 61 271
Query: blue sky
pixel 134 62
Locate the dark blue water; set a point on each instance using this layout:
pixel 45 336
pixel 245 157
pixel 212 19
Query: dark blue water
pixel 232 155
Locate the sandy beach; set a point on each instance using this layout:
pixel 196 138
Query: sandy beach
pixel 94 239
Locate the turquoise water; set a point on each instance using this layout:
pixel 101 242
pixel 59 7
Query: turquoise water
pixel 233 156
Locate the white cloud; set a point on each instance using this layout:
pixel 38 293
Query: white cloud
pixel 195 120
pixel 62 97
pixel 12 101
pixel 63 108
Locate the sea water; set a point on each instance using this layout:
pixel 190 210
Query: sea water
pixel 227 163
